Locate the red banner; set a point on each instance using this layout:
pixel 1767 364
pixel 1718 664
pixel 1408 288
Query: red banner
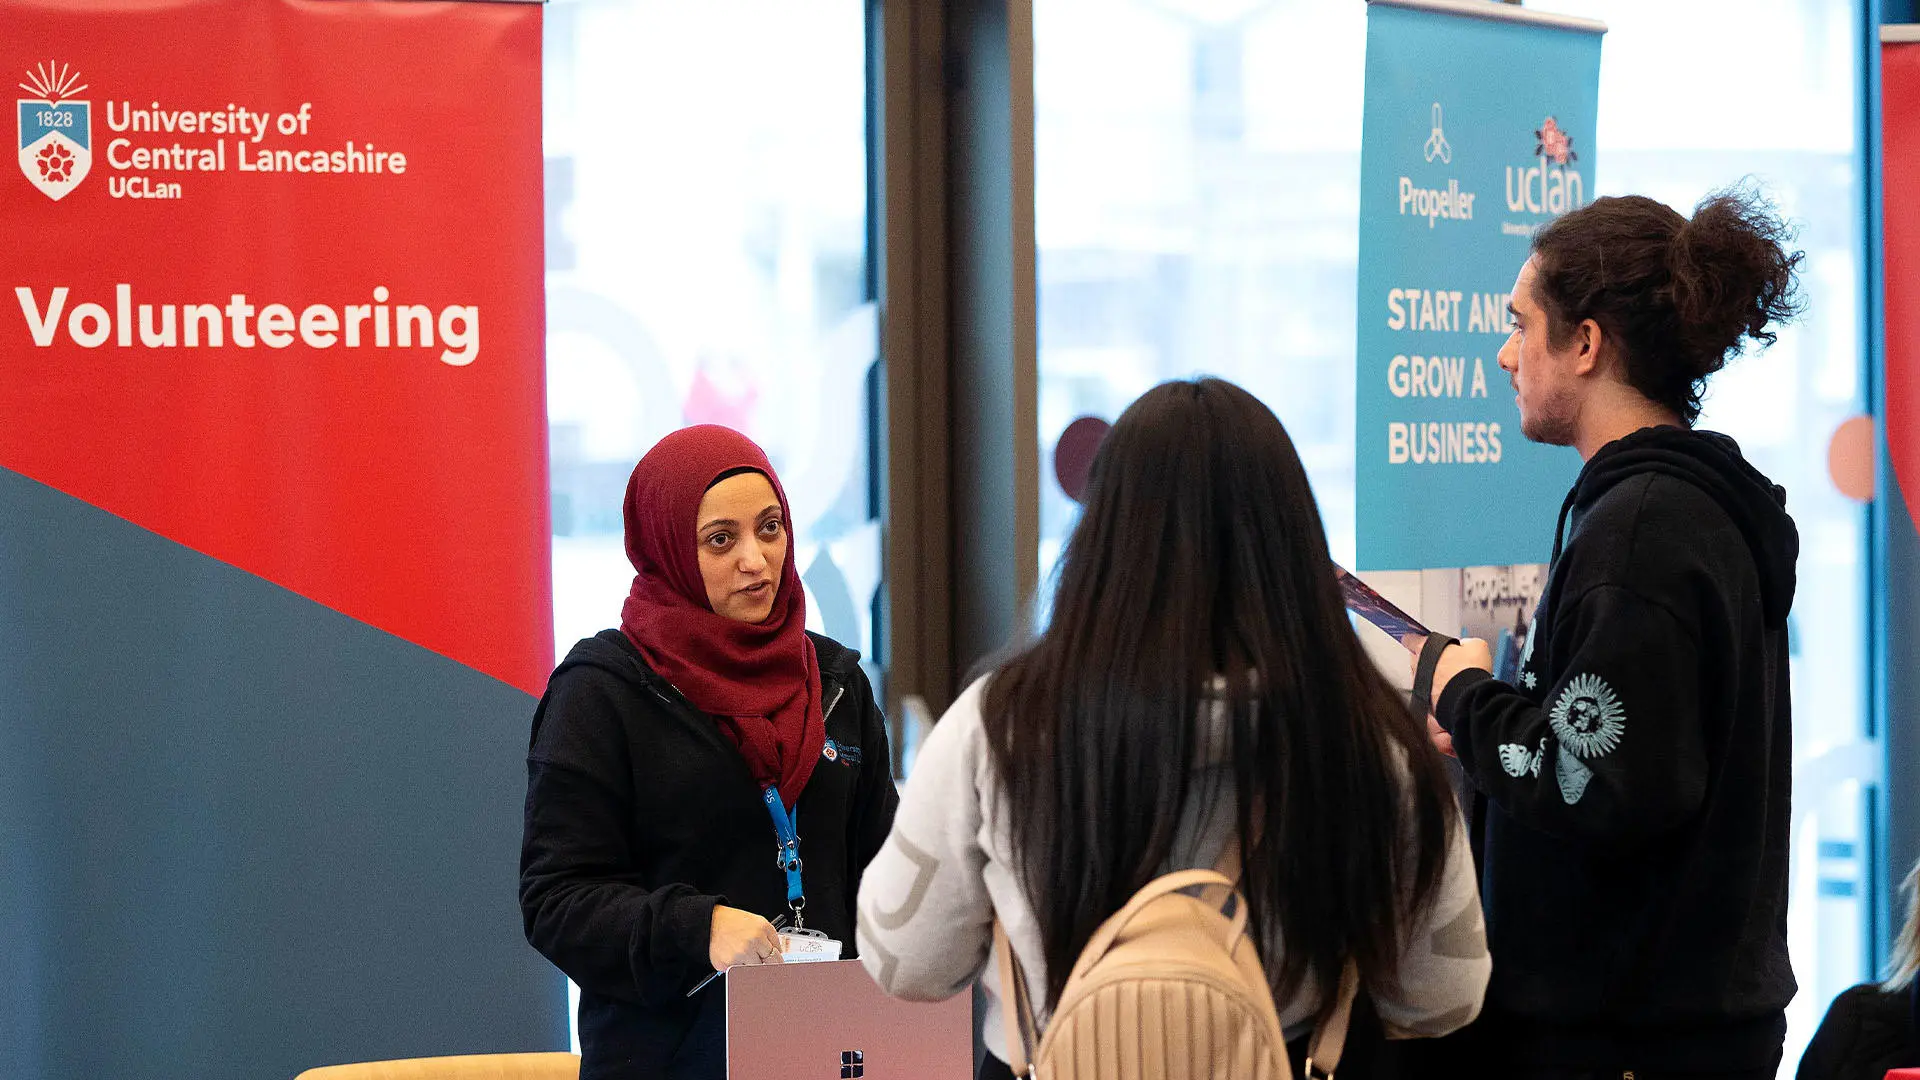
pixel 1900 187
pixel 275 292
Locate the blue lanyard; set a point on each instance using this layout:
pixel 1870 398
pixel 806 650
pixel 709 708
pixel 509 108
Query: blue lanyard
pixel 787 854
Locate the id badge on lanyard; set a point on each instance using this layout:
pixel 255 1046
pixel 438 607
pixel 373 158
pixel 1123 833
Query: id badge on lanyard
pixel 797 944
pixel 786 831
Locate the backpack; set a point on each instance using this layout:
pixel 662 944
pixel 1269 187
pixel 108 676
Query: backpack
pixel 1169 986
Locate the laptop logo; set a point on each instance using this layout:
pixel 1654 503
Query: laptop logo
pixel 853 1063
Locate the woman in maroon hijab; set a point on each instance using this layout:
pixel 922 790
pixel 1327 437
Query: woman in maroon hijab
pixel 673 756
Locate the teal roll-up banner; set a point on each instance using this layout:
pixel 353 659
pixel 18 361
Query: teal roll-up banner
pixel 1479 129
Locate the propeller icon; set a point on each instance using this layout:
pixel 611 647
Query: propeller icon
pixel 1437 145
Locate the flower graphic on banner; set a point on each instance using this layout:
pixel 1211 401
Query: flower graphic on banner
pixel 1555 144
pixel 56 163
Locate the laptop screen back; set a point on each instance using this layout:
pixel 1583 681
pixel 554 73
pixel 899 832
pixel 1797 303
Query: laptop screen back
pixel 826 1020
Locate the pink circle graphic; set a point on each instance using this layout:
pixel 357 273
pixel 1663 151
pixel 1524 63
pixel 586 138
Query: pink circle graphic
pixel 1073 454
pixel 1850 458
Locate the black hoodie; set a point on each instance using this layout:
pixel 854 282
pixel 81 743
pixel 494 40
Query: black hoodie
pixel 1634 829
pixel 641 817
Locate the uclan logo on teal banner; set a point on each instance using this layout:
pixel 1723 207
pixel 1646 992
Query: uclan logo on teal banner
pixel 1550 185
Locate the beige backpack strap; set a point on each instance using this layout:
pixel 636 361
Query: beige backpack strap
pixel 1102 939
pixel 1014 1004
pixel 1330 1034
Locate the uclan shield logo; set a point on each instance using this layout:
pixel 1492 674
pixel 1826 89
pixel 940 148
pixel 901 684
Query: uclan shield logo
pixel 56 132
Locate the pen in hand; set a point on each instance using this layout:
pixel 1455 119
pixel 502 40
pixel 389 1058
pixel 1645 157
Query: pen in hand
pixel 779 923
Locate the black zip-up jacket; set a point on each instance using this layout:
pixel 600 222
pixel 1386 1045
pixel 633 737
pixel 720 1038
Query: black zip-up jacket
pixel 1634 828
pixel 1866 1034
pixel 641 817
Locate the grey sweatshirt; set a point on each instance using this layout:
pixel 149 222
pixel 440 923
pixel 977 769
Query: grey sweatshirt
pixel 929 898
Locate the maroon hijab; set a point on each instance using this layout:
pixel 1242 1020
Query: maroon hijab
pixel 760 681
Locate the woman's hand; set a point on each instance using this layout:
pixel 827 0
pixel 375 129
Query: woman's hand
pixel 741 938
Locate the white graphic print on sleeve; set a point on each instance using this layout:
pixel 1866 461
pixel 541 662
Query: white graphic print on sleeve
pixel 1527 678
pixel 1588 717
pixel 1519 761
pixel 1573 775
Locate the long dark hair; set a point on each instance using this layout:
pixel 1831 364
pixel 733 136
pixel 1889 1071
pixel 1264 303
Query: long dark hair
pixel 1198 579
pixel 1678 295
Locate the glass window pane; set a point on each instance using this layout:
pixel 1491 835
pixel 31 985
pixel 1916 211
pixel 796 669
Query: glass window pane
pixel 707 263
pixel 1197 207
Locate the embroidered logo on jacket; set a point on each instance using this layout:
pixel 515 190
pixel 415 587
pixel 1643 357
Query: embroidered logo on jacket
pixel 1588 717
pixel 840 752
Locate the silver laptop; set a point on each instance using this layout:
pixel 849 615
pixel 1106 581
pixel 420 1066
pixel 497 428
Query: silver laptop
pixel 825 1020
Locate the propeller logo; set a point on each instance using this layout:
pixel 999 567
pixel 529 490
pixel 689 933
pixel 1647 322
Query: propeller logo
pixel 1437 145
